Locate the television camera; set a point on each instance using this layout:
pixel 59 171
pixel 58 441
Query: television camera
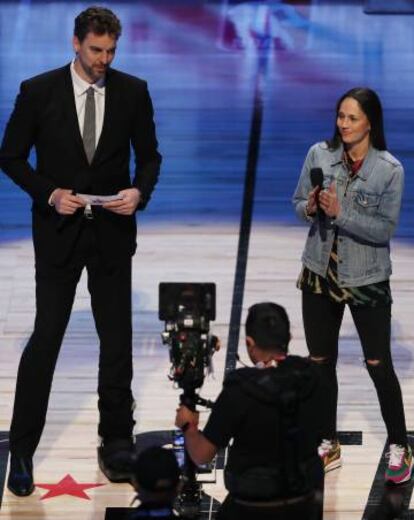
pixel 187 309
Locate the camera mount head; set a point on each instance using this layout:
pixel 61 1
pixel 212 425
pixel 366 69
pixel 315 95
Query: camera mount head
pixel 187 309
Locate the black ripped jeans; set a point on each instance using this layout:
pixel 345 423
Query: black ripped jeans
pixel 322 320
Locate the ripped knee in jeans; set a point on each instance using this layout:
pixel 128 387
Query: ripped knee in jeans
pixel 320 360
pixel 373 362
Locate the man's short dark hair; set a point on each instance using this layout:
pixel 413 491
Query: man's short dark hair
pixel 268 324
pixel 98 20
pixel 156 470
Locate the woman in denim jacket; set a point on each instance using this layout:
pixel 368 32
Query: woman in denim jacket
pixel 350 191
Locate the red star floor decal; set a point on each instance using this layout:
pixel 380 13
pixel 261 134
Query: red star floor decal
pixel 67 486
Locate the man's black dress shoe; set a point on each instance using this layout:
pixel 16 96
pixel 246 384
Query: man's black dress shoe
pixel 20 481
pixel 115 459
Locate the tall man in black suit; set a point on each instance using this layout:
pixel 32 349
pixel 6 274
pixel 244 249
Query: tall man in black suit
pixel 82 120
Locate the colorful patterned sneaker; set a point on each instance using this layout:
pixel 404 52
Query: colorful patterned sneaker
pixel 400 464
pixel 330 453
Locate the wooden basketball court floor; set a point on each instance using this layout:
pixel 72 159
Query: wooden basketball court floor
pixel 240 92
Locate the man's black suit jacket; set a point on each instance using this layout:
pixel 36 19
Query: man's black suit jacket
pixel 45 117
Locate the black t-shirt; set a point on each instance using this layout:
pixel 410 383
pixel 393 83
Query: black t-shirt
pixel 255 426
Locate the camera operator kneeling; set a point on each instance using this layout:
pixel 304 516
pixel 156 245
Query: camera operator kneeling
pixel 270 412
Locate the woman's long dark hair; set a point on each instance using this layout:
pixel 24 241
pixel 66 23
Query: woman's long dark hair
pixel 370 104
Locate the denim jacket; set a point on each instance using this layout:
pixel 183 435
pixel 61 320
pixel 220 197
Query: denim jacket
pixel 370 206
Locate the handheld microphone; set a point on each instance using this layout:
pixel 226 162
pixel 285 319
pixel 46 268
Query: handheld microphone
pixel 316 177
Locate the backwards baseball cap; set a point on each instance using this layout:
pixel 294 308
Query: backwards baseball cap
pixel 268 324
pixel 156 470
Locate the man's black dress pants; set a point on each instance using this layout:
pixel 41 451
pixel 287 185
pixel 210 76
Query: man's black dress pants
pixel 110 290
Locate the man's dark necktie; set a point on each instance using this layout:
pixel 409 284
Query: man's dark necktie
pixel 89 132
